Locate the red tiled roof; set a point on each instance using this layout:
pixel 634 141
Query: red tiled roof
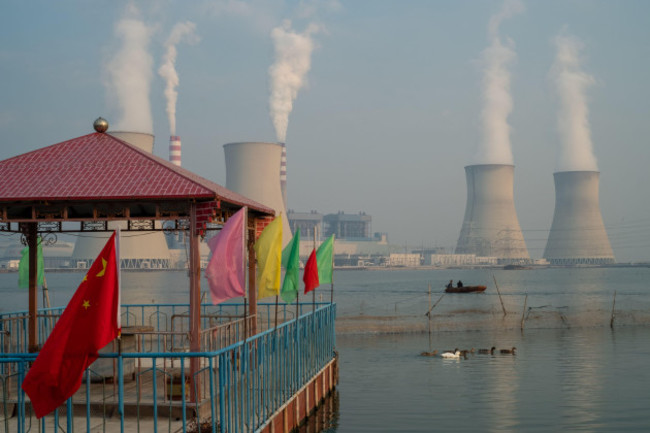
pixel 99 166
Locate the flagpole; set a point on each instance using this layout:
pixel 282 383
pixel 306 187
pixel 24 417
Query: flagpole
pixel 332 283
pixel 244 264
pixel 313 292
pixel 120 361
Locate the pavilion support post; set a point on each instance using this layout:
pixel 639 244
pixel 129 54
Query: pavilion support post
pixel 195 304
pixel 252 288
pixel 32 239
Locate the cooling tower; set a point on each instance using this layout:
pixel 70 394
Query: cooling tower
pixel 490 227
pixel 138 250
pixel 138 139
pixel 175 150
pixel 252 171
pixel 577 234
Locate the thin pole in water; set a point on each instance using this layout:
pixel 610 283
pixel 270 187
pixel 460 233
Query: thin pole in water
pixel 429 317
pixel 611 321
pixel 428 313
pixel 524 312
pixel 499 293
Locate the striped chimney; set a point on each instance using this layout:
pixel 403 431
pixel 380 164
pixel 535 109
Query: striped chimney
pixel 175 149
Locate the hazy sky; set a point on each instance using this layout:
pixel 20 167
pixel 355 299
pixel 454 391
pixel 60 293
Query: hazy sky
pixel 387 100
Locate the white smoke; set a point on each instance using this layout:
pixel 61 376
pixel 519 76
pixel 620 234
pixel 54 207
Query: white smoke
pixel 181 31
pixel 129 74
pixel 576 150
pixel 288 73
pixel 495 146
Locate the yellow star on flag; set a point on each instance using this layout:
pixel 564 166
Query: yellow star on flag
pixel 86 304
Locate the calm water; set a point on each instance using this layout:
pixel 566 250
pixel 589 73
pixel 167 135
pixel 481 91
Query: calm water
pixel 571 371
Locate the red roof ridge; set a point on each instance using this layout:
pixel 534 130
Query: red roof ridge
pixel 84 168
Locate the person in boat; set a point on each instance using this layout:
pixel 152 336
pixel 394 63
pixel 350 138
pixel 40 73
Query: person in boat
pixel 460 284
pixel 451 284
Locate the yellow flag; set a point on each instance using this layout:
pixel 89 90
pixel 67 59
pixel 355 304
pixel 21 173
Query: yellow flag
pixel 268 250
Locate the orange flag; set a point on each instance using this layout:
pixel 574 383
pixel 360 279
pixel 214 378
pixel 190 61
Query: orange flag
pixel 89 322
pixel 310 277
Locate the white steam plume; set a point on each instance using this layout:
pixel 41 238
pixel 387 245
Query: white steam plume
pixel 181 31
pixel 576 150
pixel 495 146
pixel 129 75
pixel 288 73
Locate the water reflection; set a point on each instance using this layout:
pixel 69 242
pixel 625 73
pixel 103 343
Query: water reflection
pixel 503 383
pixel 582 381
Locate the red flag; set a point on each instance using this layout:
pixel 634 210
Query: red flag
pixel 89 322
pixel 310 277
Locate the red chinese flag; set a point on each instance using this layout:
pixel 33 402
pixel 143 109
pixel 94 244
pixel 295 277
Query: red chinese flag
pixel 89 322
pixel 310 277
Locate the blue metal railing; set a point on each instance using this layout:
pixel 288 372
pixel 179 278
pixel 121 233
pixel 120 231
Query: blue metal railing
pixel 238 387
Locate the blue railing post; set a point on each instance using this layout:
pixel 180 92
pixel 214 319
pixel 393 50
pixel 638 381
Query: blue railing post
pixel 21 398
pixel 68 415
pixel 222 392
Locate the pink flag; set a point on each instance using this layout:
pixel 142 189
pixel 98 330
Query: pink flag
pixel 225 271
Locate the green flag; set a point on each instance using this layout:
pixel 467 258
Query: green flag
pixel 324 257
pixel 291 264
pixel 23 267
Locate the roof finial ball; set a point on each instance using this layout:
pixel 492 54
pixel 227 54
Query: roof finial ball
pixel 100 125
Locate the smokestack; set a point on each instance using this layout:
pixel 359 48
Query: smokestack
pixel 252 171
pixel 175 150
pixel 490 227
pixel 578 235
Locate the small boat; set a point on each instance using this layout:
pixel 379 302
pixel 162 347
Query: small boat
pixel 465 289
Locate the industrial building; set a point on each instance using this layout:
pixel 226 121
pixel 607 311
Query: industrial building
pixel 578 235
pixel 343 226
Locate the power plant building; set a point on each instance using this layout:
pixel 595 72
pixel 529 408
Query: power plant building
pixel 309 223
pixel 343 226
pixel 490 226
pixel 578 235
pixel 348 226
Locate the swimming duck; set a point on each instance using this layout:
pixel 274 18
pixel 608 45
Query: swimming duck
pixel 487 351
pixel 454 354
pixel 464 353
pixel 509 351
pixel 434 353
